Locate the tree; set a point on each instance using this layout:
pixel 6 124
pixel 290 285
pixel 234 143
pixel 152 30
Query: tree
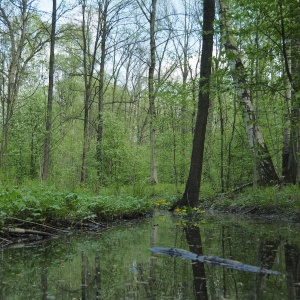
pixel 186 44
pixel 151 87
pixel 290 47
pixel 47 141
pixel 89 51
pixel 109 14
pixel 266 169
pixel 22 37
pixel 151 91
pixel 191 193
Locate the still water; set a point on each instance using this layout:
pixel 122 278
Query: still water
pixel 117 264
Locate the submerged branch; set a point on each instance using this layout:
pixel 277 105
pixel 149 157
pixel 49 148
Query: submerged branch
pixel 213 260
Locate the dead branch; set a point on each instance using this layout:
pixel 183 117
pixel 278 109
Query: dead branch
pixel 42 225
pixel 26 231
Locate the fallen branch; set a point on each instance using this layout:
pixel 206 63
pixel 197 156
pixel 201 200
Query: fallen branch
pixel 239 188
pixel 3 239
pixel 26 231
pixel 42 225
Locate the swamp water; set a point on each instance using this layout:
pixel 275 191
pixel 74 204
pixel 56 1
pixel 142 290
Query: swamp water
pixel 117 263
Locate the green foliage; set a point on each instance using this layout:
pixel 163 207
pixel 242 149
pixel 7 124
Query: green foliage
pixel 45 206
pixel 279 200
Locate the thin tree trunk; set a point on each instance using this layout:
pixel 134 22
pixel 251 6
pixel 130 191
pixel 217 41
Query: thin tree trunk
pixel 152 111
pixel 47 141
pixel 101 91
pixel 86 99
pixel 266 169
pixel 288 161
pixel 89 58
pixel 191 193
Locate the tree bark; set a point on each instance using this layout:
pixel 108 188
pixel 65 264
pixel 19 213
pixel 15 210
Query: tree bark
pixel 47 141
pixel 191 193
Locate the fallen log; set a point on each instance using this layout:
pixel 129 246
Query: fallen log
pixel 213 260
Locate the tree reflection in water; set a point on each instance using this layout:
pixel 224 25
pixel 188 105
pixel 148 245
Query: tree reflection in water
pixel 292 261
pixel 193 238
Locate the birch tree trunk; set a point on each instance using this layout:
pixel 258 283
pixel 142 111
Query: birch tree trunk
pixel 265 166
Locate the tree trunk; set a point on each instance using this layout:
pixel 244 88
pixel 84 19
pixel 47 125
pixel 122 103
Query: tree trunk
pixel 89 58
pixel 289 166
pixel 291 146
pixel 265 167
pixel 47 141
pixel 86 99
pixel 104 34
pixel 191 193
pixel 152 111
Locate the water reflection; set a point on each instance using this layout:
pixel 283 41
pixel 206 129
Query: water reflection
pixel 292 261
pixel 117 264
pixel 193 238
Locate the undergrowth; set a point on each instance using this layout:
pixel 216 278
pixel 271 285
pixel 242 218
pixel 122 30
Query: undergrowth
pixel 43 205
pixel 47 206
pixel 276 199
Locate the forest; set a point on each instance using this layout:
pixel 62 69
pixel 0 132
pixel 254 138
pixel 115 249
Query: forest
pixel 99 94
